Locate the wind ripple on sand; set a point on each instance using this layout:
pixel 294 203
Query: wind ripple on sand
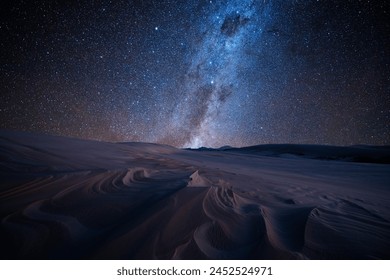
pixel 286 226
pixel 347 230
pixel 90 206
pixel 146 213
pixel 71 198
pixel 236 225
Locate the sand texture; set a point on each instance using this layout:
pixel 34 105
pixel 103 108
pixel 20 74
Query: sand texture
pixel 64 198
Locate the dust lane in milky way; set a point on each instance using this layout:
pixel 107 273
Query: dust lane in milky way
pixel 198 73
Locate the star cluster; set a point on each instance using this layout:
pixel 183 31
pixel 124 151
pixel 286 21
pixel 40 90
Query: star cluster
pixel 198 73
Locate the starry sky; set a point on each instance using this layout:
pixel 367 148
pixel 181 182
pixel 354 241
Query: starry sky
pixel 198 73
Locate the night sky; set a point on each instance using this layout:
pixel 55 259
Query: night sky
pixel 198 73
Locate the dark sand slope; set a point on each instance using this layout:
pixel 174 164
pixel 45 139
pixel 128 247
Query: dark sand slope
pixel 63 198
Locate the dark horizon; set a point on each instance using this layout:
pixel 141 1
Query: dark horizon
pixel 26 133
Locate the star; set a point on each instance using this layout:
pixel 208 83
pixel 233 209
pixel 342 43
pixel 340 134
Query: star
pixel 211 73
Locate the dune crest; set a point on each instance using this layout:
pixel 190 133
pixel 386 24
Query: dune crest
pixel 64 198
pixel 196 180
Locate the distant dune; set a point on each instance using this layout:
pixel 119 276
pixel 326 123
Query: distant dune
pixel 357 153
pixel 65 198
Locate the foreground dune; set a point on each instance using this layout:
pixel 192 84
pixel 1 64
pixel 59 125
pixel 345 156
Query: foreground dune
pixel 63 198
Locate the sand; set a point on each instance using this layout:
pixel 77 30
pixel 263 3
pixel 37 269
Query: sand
pixel 64 198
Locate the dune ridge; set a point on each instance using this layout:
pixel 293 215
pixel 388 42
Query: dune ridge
pixel 64 198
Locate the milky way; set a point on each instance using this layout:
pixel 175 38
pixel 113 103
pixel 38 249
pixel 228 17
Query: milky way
pixel 198 73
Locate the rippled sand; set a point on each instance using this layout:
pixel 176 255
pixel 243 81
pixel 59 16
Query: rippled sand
pixel 63 198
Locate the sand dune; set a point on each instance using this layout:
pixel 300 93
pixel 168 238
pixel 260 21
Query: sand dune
pixel 64 198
